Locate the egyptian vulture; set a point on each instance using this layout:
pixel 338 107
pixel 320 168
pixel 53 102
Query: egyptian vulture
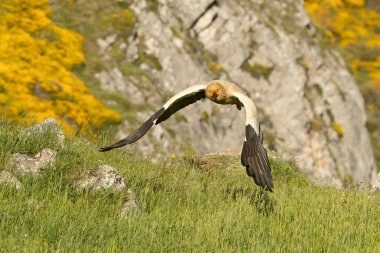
pixel 253 156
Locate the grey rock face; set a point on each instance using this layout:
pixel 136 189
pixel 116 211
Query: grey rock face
pixel 8 179
pixel 27 165
pixel 309 105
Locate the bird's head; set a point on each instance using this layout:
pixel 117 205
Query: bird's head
pixel 215 91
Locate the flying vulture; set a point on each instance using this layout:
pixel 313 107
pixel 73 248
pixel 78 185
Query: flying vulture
pixel 253 156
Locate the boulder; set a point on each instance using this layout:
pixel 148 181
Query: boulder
pixel 48 125
pixel 131 205
pixel 28 165
pixel 8 179
pixel 104 177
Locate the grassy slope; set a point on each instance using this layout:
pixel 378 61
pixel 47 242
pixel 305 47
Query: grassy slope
pixel 184 207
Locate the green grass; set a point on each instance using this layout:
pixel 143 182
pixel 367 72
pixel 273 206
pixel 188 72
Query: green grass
pixel 191 204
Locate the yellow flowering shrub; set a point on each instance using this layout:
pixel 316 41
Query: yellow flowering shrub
pixel 36 82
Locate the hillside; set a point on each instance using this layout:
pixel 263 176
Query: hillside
pixel 139 53
pixel 193 203
pixel 101 68
pixel 136 54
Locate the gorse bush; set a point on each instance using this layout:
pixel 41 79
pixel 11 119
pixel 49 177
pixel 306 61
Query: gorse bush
pixel 353 28
pixel 36 82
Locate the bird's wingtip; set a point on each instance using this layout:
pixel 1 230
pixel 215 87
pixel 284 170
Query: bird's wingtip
pixel 104 149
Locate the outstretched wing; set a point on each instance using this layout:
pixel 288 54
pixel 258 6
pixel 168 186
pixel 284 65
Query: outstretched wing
pixel 255 159
pixel 176 103
pixel 254 156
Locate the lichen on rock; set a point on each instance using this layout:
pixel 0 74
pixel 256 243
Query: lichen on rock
pixel 107 178
pixel 104 177
pixel 33 165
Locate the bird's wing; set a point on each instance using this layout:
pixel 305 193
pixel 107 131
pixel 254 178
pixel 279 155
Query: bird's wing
pixel 176 103
pixel 254 156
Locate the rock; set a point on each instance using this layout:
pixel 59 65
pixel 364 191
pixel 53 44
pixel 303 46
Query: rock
pixel 376 184
pixel 105 43
pixel 308 101
pixel 130 206
pixel 8 179
pixel 206 20
pixel 132 52
pixel 111 80
pixel 114 81
pixel 105 177
pixel 26 165
pixel 46 126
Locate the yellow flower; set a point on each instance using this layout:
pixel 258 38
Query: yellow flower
pixel 356 3
pixel 338 128
pixel 350 26
pixel 343 197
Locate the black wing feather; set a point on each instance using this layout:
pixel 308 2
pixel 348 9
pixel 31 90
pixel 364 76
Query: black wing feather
pixel 179 104
pixel 140 132
pixel 255 159
pixel 157 118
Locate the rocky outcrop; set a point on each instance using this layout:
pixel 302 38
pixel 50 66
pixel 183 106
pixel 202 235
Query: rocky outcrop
pixel 7 178
pixel 27 165
pixel 129 207
pixel 309 105
pixel 105 177
pixel 48 126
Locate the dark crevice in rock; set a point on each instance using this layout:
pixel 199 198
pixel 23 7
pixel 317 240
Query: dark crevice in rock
pixel 134 36
pixel 211 22
pixel 211 5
